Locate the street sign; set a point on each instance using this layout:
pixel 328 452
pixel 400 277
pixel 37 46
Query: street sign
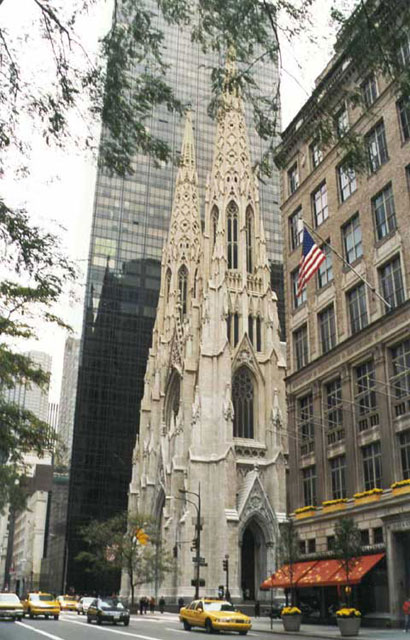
pixel 201 582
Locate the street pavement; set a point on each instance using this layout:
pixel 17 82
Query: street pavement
pixel 163 627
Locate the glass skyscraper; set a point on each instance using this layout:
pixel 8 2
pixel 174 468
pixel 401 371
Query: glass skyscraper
pixel 129 227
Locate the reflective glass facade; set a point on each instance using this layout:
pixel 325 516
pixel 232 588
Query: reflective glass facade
pixel 130 224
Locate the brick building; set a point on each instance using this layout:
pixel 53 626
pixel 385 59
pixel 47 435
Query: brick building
pixel 348 355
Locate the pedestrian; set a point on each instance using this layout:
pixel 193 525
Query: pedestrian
pixel 141 606
pixel 406 611
pixel 152 604
pixel 180 603
pixel 146 603
pixel 257 609
pixel 162 604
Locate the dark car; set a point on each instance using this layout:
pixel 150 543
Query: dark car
pixel 108 610
pixel 277 606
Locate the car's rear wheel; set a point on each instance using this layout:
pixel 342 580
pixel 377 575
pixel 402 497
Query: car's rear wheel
pixel 88 619
pixel 208 626
pixel 243 633
pixel 31 614
pixel 126 623
pixel 56 616
pixel 46 616
pixel 187 626
pixel 99 621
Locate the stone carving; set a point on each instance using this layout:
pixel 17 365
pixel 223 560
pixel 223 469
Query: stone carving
pixel 245 356
pixel 228 410
pixel 196 408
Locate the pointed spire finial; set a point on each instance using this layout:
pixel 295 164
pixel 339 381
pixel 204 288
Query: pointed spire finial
pixel 188 145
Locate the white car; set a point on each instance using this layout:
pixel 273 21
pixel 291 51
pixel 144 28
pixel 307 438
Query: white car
pixel 83 604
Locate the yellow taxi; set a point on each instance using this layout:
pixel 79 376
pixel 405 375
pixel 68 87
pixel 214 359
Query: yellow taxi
pixel 10 606
pixel 41 604
pixel 67 603
pixel 214 615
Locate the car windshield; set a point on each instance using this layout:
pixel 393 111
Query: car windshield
pixel 9 597
pixel 44 597
pixel 111 603
pixel 68 598
pixel 86 600
pixel 218 606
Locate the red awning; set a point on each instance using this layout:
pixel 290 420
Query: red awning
pixel 282 577
pixel 361 566
pixel 321 573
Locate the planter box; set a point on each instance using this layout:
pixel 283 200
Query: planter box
pixel 398 491
pixel 375 497
pixel 305 514
pixel 349 626
pixel 334 507
pixel 292 623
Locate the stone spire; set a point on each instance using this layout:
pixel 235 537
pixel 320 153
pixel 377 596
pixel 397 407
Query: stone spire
pixel 183 249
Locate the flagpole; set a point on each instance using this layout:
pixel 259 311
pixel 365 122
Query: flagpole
pixel 371 287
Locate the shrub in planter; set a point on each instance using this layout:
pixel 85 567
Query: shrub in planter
pixel 291 618
pixel 348 621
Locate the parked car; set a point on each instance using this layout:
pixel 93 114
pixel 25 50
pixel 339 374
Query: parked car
pixel 41 604
pixel 67 603
pixel 10 606
pixel 214 615
pixel 83 604
pixel 277 606
pixel 108 610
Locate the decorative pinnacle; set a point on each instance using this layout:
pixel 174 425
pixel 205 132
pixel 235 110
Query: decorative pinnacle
pixel 188 145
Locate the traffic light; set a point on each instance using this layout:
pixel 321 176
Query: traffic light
pixel 175 551
pixel 194 544
pixel 225 564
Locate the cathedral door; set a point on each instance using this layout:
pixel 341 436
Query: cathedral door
pixel 253 547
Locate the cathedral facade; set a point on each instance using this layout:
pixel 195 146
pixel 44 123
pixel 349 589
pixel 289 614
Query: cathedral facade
pixel 213 427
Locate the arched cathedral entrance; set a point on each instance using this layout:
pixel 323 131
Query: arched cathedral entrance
pixel 253 560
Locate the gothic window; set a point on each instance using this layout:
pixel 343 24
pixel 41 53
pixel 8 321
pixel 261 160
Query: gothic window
pixel 249 240
pixel 183 289
pixel 167 284
pixel 173 400
pixel 243 403
pixel 250 328
pixel 258 334
pixel 228 326
pixel 195 282
pixel 232 219
pixel 235 328
pixel 214 224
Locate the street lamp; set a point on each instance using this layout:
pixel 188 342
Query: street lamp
pixel 198 534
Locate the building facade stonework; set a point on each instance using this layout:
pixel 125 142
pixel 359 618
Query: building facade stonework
pixel 348 383
pixel 213 412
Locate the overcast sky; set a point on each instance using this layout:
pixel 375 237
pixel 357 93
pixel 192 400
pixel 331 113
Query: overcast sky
pixel 59 189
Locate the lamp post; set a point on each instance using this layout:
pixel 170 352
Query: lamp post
pixel 198 534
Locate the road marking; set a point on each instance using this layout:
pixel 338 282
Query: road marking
pixel 43 633
pixel 101 628
pixel 179 630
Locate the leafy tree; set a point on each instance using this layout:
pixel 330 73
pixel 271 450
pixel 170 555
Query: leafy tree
pixel 129 79
pixel 290 552
pixel 128 542
pixel 347 548
pixel 34 274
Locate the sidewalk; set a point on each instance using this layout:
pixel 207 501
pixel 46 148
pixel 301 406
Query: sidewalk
pixel 323 631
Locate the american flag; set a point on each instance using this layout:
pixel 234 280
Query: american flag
pixel 312 258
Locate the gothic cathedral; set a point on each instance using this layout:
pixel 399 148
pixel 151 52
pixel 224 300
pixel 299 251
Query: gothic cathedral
pixel 212 425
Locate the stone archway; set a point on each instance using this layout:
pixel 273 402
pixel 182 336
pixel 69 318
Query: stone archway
pixel 253 559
